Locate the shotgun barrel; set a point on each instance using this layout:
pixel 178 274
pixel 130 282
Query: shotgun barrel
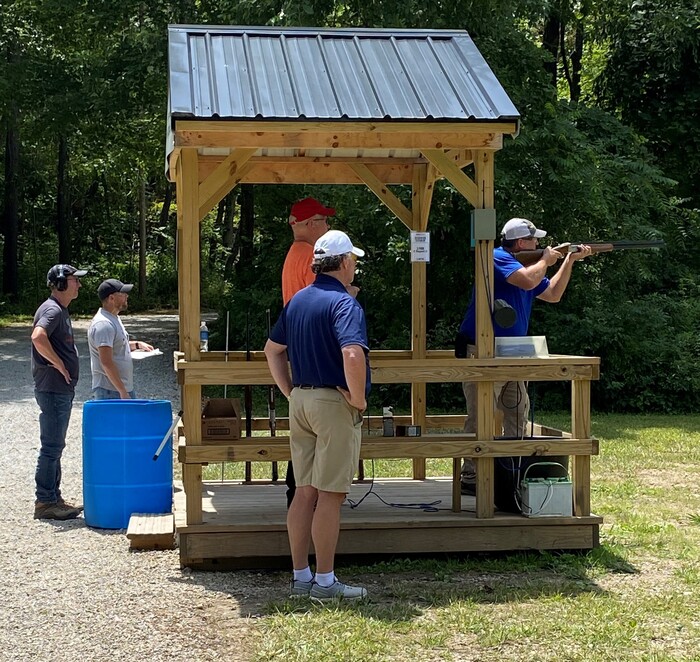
pixel 526 258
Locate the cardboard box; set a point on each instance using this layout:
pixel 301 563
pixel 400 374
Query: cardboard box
pixel 221 419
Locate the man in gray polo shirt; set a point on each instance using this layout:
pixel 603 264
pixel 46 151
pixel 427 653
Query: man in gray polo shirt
pixel 110 348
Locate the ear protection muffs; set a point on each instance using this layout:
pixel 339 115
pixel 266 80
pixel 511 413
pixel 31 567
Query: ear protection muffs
pixel 57 278
pixel 61 280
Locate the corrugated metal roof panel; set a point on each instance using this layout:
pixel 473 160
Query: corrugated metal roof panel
pixel 331 74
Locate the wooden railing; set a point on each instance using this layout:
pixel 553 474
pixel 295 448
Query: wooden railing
pixel 392 367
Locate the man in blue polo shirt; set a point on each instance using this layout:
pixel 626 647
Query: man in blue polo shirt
pixel 519 286
pixel 322 332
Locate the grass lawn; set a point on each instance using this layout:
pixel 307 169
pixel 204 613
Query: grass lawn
pixel 636 597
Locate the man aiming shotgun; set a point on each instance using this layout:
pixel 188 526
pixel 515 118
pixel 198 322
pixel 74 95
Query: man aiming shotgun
pixel 517 286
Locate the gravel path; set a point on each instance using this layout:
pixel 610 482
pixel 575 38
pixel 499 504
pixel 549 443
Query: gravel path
pixel 74 593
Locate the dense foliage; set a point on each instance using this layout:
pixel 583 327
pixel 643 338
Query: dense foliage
pixel 608 93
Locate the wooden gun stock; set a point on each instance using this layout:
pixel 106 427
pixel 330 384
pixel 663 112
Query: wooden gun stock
pixel 526 258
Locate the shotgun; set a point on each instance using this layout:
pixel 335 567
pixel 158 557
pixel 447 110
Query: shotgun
pixel 248 399
pixel 271 408
pixel 527 258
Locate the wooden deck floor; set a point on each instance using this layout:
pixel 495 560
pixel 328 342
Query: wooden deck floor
pixel 244 525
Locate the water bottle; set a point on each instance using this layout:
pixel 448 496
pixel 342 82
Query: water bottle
pixel 387 422
pixel 203 338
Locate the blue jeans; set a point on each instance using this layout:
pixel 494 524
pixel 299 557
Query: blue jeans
pixel 53 425
pixel 100 393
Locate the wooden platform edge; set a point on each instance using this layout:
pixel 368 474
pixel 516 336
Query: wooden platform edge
pixel 240 549
pixel 151 531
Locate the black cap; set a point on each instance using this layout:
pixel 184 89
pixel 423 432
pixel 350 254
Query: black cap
pixel 112 286
pixel 61 271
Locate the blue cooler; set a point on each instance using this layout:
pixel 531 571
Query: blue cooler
pixel 120 476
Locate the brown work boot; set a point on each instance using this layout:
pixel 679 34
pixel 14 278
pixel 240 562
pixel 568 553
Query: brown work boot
pixel 54 511
pixel 79 506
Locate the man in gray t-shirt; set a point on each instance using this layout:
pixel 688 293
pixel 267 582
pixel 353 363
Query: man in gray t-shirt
pixel 55 373
pixel 110 347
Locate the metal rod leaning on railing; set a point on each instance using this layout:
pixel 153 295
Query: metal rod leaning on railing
pixel 223 464
pixel 167 436
pixel 271 408
pixel 248 400
pixel 527 258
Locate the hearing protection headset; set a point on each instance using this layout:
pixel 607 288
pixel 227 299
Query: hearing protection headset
pixel 57 277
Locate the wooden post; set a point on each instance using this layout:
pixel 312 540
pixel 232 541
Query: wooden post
pixel 189 291
pixel 581 429
pixel 422 192
pixel 484 176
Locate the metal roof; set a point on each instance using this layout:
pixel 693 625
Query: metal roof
pixel 234 72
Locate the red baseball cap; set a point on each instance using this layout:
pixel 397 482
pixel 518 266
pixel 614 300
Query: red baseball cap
pixel 306 208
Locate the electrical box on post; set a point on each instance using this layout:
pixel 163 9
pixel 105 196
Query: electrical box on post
pixel 483 224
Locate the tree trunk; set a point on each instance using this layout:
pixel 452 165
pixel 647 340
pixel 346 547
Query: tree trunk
pixel 165 214
pixel 142 237
pixel 229 235
pixel 244 266
pixel 62 214
pixel 10 216
pixel 577 54
pixel 550 42
pixel 213 242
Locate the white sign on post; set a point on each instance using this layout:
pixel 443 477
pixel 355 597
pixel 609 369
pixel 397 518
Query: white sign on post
pixel 420 246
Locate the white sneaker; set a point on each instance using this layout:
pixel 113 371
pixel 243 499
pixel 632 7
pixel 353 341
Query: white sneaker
pixel 337 591
pixel 300 589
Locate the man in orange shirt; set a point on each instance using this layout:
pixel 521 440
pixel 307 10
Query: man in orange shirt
pixel 308 220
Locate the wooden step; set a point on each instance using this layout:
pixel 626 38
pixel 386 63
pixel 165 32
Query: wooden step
pixel 151 531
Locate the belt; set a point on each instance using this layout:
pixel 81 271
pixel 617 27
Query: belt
pixel 313 386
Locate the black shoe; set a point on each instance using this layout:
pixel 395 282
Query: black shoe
pixel 468 488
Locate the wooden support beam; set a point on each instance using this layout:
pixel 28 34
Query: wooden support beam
pixel 381 190
pixel 189 293
pixel 453 174
pixel 483 172
pixel 294 138
pixel 192 483
pixel 581 464
pixel 460 157
pixel 296 126
pixel 322 173
pixel 421 197
pixel 189 266
pixel 226 176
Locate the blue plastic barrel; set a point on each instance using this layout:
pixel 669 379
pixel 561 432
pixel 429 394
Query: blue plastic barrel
pixel 120 476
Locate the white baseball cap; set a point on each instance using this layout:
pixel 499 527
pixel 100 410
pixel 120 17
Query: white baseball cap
pixel 521 228
pixel 335 242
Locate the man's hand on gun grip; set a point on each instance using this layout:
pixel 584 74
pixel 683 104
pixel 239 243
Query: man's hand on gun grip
pixel 550 256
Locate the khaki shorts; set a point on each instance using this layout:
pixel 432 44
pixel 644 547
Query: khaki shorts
pixel 325 433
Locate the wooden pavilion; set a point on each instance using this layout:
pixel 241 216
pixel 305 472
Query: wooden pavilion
pixel 374 108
